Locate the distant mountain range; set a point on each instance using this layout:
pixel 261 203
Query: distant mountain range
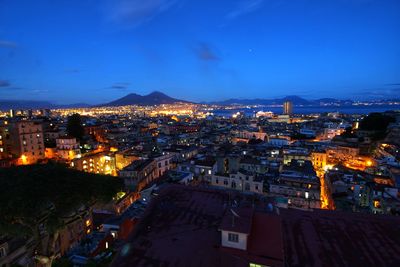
pixel 296 100
pixel 31 104
pixel 155 98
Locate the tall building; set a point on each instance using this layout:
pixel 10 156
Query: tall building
pixel 22 140
pixel 29 143
pixel 288 107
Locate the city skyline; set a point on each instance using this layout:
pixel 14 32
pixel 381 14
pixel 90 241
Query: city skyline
pixel 348 49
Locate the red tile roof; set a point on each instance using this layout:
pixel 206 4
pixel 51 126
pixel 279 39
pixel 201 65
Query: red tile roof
pixel 332 238
pixel 180 228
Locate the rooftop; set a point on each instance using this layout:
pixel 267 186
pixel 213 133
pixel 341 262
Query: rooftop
pixel 333 238
pixel 181 228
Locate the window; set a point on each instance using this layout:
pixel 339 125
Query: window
pixel 233 237
pixel 247 187
pixel 2 252
pixel 233 185
pixel 225 182
pixel 256 265
pixel 216 181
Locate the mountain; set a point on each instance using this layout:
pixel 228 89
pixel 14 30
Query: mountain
pixel 32 104
pixel 24 104
pixel 258 101
pixel 155 98
pixel 298 101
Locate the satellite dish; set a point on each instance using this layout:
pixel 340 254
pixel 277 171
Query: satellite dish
pixel 234 213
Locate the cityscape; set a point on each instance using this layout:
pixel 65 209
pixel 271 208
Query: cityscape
pixel 124 142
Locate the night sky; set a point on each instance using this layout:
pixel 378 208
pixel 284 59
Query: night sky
pixel 95 51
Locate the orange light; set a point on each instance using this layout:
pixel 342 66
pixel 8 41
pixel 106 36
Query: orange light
pixel 24 159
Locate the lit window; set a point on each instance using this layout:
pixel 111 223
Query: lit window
pixel 256 265
pixel 233 237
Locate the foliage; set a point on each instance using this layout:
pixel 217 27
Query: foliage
pixel 62 262
pixel 376 122
pixel 74 126
pixel 45 194
pixel 348 133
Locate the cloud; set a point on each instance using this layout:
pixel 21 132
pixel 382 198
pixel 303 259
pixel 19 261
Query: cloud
pixel 120 86
pixel 392 84
pixel 205 52
pixel 8 44
pixel 4 83
pixel 244 7
pixel 380 92
pixel 72 71
pixel 132 13
pixel 40 91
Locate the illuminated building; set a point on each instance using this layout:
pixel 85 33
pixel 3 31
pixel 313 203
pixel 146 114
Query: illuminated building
pixel 124 158
pixel 299 183
pixel 319 159
pixel 22 140
pixel 12 113
pixel 68 148
pixel 100 162
pixel 267 114
pixel 164 162
pixel 139 174
pixel 242 180
pixel 295 154
pixel 288 108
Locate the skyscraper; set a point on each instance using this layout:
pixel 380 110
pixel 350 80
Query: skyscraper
pixel 287 107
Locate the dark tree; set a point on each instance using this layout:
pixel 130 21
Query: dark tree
pixel 348 133
pixel 35 199
pixel 376 122
pixel 74 126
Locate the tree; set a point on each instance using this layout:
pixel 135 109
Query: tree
pixel 74 126
pixel 35 200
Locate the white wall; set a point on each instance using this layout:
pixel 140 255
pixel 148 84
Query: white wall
pixel 242 244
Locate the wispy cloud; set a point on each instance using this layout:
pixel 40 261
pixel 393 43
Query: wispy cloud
pixel 392 84
pixel 72 71
pixel 244 7
pixel 132 13
pixel 205 52
pixel 8 44
pixel 4 83
pixel 391 92
pixel 120 86
pixel 40 91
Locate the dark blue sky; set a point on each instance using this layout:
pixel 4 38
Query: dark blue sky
pixel 94 51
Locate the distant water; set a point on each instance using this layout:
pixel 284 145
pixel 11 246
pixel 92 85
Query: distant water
pixel 311 110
